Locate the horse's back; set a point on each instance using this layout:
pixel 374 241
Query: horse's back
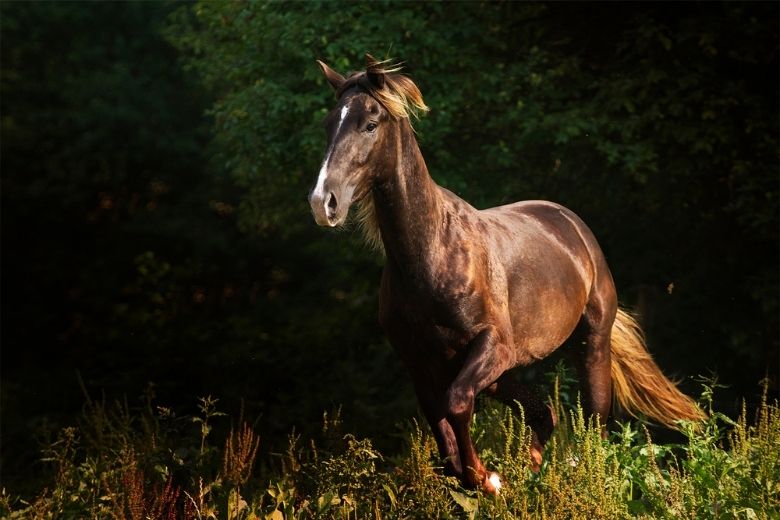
pixel 542 219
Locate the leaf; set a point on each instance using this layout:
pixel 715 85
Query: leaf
pixel 636 507
pixel 390 495
pixel 469 504
pixel 324 502
pixel 750 513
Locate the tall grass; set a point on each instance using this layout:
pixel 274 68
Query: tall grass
pixel 149 463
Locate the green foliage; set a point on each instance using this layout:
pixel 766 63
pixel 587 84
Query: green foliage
pixel 145 463
pixel 124 258
pixel 632 116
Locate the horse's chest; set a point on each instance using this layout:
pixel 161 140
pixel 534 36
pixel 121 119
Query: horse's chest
pixel 435 317
pixel 422 328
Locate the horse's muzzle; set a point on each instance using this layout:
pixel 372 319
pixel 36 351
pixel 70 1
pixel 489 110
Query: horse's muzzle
pixel 325 209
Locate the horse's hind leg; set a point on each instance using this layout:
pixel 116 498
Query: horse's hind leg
pixel 593 356
pixel 538 415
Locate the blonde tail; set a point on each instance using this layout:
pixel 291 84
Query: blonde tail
pixel 639 385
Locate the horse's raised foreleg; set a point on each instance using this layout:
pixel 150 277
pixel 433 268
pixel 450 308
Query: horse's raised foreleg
pixel 538 415
pixel 486 360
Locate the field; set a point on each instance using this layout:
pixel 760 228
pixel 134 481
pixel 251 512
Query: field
pixel 148 463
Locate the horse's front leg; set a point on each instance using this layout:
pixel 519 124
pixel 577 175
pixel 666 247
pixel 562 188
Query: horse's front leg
pixel 488 357
pixel 432 400
pixel 431 376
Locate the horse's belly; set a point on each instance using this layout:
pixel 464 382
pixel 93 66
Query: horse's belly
pixel 544 316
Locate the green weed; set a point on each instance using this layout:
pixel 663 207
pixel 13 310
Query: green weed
pixel 149 464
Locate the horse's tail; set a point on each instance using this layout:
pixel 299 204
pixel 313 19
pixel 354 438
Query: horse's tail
pixel 639 385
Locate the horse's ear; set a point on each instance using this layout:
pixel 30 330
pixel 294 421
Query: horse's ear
pixel 334 78
pixel 374 71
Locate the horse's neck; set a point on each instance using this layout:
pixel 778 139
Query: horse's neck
pixel 408 206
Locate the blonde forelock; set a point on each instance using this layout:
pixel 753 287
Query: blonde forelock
pixel 399 95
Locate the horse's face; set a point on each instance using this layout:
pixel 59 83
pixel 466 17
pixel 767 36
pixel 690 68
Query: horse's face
pixel 356 129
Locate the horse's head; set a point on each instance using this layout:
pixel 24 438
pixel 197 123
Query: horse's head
pixel 360 129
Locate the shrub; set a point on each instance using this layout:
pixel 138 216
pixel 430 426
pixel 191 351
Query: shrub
pixel 148 463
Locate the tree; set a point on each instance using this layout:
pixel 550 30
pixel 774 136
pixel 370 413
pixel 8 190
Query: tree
pixel 657 123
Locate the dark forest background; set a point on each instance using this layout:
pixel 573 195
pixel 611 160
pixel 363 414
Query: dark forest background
pixel 156 158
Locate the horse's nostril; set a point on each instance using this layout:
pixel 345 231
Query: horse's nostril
pixel 332 202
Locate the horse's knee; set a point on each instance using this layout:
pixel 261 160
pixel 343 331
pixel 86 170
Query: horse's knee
pixel 460 403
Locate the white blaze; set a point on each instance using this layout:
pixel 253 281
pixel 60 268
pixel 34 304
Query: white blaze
pixel 319 189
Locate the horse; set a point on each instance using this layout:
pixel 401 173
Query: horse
pixel 467 295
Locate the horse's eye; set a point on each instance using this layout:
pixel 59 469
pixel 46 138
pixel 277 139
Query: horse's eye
pixel 370 127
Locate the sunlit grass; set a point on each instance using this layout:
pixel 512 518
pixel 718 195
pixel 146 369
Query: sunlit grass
pixel 152 464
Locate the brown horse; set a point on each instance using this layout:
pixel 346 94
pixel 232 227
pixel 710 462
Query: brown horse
pixel 467 295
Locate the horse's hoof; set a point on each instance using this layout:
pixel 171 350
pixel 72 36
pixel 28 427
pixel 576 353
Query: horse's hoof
pixel 536 460
pixel 492 484
pixel 536 453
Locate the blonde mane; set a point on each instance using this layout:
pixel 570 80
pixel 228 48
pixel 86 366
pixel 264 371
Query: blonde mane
pixel 401 97
pixel 399 94
pixel 366 219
